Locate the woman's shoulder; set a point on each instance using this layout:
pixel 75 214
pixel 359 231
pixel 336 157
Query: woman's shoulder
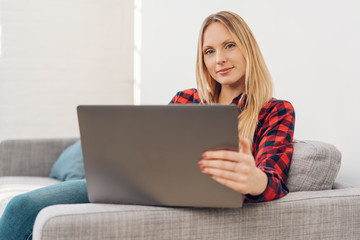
pixel 277 106
pixel 187 96
pixel 276 113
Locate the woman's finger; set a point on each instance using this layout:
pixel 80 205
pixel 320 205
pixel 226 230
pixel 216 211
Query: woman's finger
pixel 239 169
pixel 221 155
pixel 215 172
pixel 241 164
pixel 231 184
pixel 220 164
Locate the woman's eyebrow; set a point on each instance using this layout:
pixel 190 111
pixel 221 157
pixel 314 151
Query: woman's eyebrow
pixel 226 41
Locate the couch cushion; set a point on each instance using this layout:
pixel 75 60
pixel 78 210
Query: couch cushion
pixel 12 186
pixel 69 165
pixel 314 166
pixel 329 214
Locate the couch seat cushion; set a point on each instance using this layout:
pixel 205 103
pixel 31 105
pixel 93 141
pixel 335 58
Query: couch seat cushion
pixel 12 186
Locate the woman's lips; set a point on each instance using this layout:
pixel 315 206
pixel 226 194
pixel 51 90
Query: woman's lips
pixel 225 70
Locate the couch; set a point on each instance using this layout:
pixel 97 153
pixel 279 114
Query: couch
pixel 316 207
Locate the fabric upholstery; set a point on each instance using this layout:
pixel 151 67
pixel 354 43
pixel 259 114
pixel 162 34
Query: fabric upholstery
pixel 31 157
pixel 327 214
pixel 299 215
pixel 314 166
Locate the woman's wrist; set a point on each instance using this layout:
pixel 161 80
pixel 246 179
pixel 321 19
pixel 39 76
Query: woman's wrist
pixel 261 181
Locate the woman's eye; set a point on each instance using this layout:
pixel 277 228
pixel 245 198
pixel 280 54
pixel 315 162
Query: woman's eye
pixel 209 51
pixel 230 45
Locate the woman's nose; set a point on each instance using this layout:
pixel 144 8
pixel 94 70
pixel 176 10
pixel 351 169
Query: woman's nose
pixel 220 57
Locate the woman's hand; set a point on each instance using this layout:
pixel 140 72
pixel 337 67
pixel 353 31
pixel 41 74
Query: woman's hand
pixel 236 170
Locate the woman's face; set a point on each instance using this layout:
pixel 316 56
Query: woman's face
pixel 223 58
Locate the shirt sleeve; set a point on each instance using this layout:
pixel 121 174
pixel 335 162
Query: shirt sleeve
pixel 189 96
pixel 273 148
pixel 175 98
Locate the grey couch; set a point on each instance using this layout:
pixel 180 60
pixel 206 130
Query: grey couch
pixel 315 208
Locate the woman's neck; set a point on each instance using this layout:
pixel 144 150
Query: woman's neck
pixel 227 94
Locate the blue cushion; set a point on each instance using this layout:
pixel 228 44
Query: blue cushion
pixel 70 164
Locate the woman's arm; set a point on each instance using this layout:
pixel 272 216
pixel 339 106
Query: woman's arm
pixel 272 152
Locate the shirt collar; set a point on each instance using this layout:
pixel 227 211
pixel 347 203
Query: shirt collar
pixel 241 104
pixel 236 99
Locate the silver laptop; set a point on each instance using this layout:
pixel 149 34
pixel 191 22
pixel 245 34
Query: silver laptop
pixel 148 155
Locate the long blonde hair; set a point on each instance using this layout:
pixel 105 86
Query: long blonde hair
pixel 258 84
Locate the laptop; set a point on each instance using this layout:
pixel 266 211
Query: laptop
pixel 148 155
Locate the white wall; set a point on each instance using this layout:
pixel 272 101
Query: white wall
pixel 311 47
pixel 57 54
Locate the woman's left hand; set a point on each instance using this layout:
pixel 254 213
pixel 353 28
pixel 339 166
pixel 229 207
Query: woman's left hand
pixel 236 170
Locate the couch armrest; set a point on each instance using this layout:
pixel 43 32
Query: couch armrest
pixel 328 214
pixel 30 157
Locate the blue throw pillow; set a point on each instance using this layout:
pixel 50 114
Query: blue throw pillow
pixel 70 164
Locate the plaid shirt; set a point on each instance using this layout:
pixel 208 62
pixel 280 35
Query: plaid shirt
pixel 272 146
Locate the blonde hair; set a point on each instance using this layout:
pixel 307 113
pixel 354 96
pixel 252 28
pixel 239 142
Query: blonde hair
pixel 258 85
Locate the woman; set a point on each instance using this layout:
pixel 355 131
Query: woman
pixel 230 69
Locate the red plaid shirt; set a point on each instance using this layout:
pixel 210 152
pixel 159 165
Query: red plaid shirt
pixel 272 146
